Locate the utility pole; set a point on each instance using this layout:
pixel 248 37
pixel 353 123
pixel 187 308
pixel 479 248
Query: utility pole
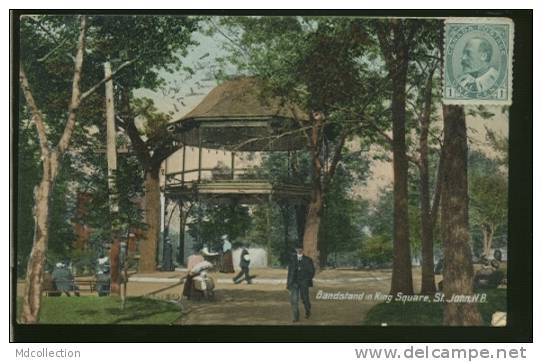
pixel 111 149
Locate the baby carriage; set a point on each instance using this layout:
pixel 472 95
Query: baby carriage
pixel 198 284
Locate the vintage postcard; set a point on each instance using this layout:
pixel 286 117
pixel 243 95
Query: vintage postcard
pixel 262 170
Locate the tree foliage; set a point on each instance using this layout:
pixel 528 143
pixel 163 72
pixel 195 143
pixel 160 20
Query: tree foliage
pixel 140 49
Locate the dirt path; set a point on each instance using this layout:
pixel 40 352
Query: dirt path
pixel 267 303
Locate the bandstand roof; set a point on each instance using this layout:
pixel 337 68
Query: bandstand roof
pixel 244 191
pixel 236 116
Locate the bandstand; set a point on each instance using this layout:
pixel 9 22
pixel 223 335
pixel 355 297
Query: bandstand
pixel 235 118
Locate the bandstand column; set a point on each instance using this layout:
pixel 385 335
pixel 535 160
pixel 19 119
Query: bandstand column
pixel 268 229
pixel 199 153
pixel 183 165
pixel 232 165
pixel 165 231
pixel 180 252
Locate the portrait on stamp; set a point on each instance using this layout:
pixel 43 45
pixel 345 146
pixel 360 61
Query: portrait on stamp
pixel 478 61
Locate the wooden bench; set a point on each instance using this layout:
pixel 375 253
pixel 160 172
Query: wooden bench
pixel 88 284
pixel 50 289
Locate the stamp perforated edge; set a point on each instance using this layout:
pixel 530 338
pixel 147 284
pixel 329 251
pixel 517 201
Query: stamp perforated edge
pixel 477 20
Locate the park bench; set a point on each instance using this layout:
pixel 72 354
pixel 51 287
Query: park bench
pixel 49 287
pixel 78 285
pixel 86 284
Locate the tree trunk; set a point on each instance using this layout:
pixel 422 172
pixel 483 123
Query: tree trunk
pixel 300 217
pixel 147 261
pixel 36 261
pixel 428 265
pixel 427 224
pixel 402 266
pixel 284 255
pixel 312 226
pixel 300 210
pixel 488 231
pixel 485 249
pixel 314 211
pixel 458 270
pixel 114 257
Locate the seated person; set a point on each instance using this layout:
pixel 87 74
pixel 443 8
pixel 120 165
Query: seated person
pixel 221 172
pixel 439 268
pixel 63 280
pixel 490 276
pixel 197 282
pixel 103 278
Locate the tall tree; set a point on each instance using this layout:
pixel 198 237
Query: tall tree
pixel 397 38
pixel 488 190
pixel 311 62
pixel 429 201
pixel 50 159
pixel 47 44
pixel 150 152
pixel 458 269
pixel 27 177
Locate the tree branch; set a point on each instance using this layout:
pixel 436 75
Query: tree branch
pixel 389 141
pixel 139 145
pixel 161 153
pixel 100 83
pixel 382 34
pixel 42 59
pixel 413 160
pixel 436 195
pixel 271 138
pixel 237 43
pixel 300 123
pixel 414 108
pixel 76 91
pixel 36 114
pixel 337 155
pixel 415 25
pixel 381 132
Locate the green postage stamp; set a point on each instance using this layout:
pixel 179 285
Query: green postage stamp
pixel 478 61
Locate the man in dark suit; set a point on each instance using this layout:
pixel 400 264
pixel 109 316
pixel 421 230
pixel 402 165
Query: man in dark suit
pixel 300 274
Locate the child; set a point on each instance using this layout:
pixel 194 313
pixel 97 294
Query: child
pixel 244 264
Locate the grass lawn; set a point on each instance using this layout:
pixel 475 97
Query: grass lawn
pixel 429 314
pixel 105 310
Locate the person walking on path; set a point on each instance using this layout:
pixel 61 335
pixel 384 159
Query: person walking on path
pixel 244 264
pixel 300 275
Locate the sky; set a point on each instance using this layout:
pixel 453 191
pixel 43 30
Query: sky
pixel 183 95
